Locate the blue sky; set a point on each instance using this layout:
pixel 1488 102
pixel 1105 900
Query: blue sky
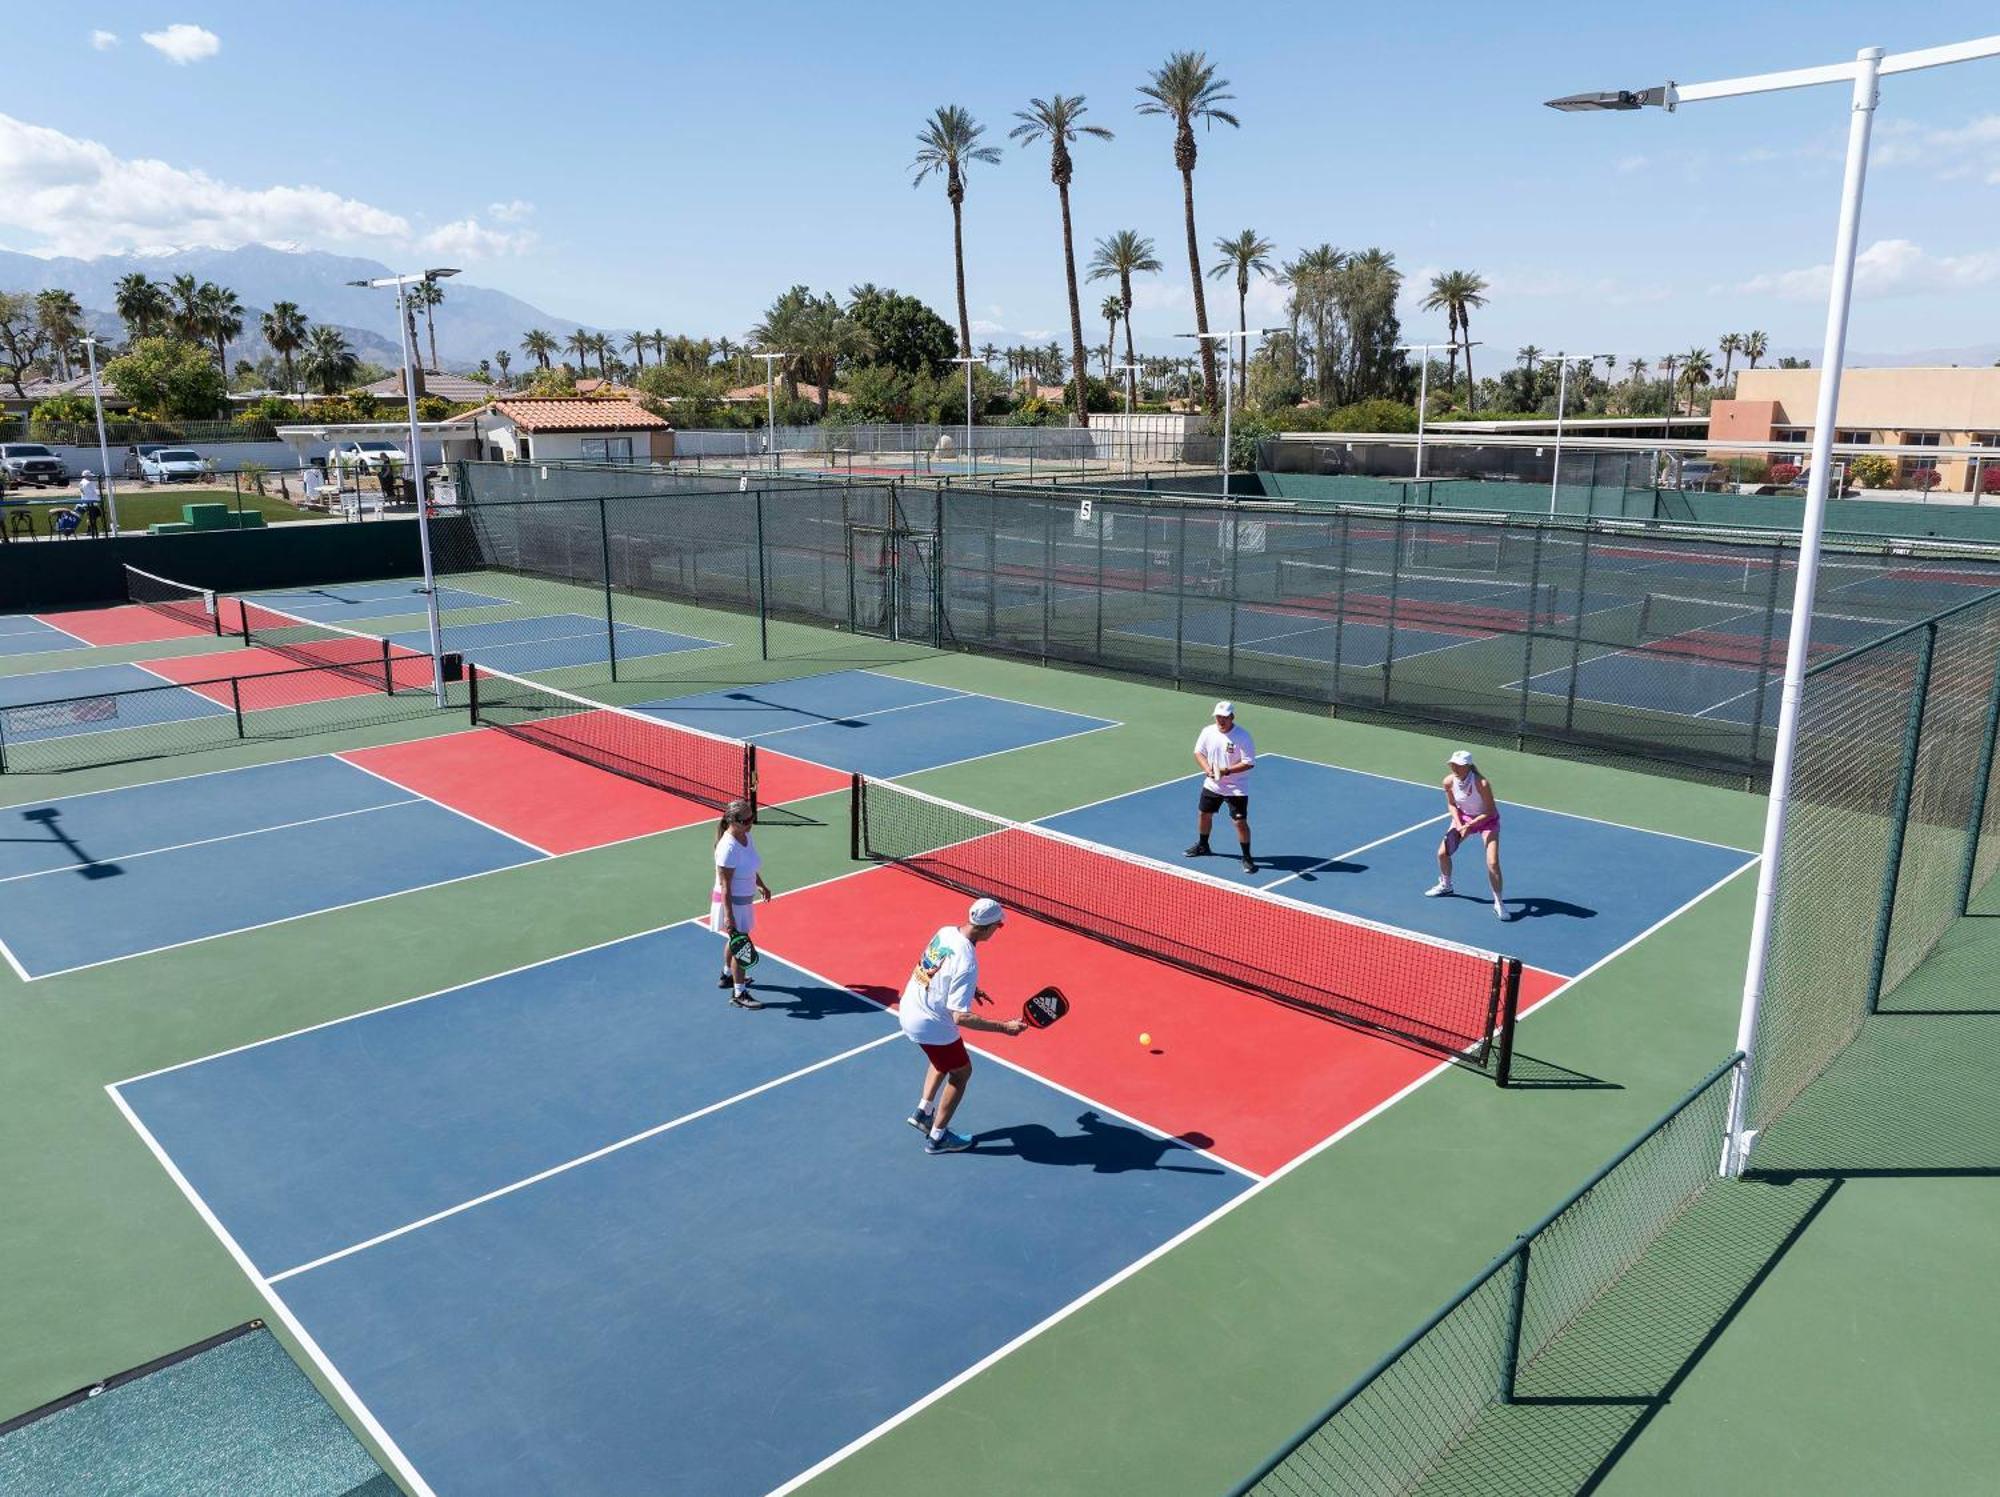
pixel 678 165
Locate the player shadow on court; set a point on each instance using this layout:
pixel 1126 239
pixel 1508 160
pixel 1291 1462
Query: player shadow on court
pixel 1107 1148
pixel 812 1001
pixel 1305 867
pixel 1533 907
pixel 57 836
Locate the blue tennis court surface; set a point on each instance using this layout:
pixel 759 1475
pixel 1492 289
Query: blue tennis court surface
pixel 1580 889
pixel 92 878
pixel 61 703
pixel 23 634
pixel 549 642
pixel 344 602
pixel 586 1229
pixel 878 724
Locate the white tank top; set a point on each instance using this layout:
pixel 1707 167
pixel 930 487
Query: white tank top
pixel 1468 797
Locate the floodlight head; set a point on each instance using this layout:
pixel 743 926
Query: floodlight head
pixel 440 272
pixel 1661 97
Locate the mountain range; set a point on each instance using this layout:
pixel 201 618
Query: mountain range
pixel 472 322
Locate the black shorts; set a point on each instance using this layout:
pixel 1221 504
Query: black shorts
pixel 1239 805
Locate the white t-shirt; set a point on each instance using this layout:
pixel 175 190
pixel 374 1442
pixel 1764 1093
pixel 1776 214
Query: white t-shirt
pixel 1218 750
pixel 942 987
pixel 743 862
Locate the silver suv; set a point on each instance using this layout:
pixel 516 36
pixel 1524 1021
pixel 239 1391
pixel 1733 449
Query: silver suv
pixel 32 463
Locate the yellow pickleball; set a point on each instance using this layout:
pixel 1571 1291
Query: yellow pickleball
pixel 1145 1039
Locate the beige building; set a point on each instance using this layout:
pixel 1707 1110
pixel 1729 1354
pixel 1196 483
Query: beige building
pixel 1943 408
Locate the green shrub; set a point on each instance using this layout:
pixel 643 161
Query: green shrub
pixel 1872 471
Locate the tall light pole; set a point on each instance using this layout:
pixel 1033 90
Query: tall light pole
pixel 104 447
pixel 1564 360
pixel 1424 385
pixel 771 402
pixel 402 283
pixel 968 361
pixel 1861 75
pixel 1131 373
pixel 1228 341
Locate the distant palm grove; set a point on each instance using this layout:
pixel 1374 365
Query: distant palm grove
pixel 1338 359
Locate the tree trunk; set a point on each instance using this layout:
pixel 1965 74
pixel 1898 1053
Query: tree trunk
pixel 1079 361
pixel 291 385
pixel 958 267
pixel 1471 385
pixel 430 330
pixel 1243 342
pixel 1131 375
pixel 1208 387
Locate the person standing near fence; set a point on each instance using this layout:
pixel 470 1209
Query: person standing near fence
pixel 1226 755
pixel 1475 812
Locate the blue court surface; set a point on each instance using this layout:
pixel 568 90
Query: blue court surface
pixel 550 642
pixel 23 634
pixel 1294 635
pixel 878 724
pixel 584 1228
pixel 345 602
pixel 1365 844
pixel 92 878
pixel 1659 682
pixel 61 703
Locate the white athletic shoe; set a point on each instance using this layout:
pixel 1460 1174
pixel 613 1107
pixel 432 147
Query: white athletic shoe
pixel 1439 889
pixel 1500 908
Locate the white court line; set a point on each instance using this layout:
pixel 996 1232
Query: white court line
pixel 174 779
pixel 342 756
pixel 383 1442
pixel 87 644
pixel 14 962
pixel 1102 725
pixel 991 696
pixel 999 1353
pixel 1342 857
pixel 248 832
pixel 582 1159
pixel 854 718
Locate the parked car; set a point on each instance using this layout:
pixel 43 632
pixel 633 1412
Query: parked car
pixel 171 465
pixel 369 457
pixel 135 455
pixel 32 463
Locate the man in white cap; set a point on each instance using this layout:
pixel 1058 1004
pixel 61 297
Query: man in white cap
pixel 937 1002
pixel 1226 756
pixel 1475 812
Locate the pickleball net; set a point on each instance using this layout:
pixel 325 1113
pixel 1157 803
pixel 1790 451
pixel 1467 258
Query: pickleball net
pixel 1441 995
pixel 179 601
pixel 367 658
pixel 704 767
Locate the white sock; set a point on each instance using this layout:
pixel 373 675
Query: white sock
pixel 925 1109
pixel 937 1133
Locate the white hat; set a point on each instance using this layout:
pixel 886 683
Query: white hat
pixel 1463 756
pixel 1224 709
pixel 86 472
pixel 987 912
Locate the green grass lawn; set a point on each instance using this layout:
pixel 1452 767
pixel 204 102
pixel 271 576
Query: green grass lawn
pixel 139 507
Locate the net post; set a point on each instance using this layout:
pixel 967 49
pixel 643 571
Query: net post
pixel 1507 978
pixel 1517 1303
pixel 215 612
pixel 1899 815
pixel 1980 786
pixel 1576 631
pixel 3 742
pixel 236 704
pixel 1764 655
pixel 1528 636
pixel 1395 589
pixel 389 670
pixel 855 817
pixel 243 621
pixel 1048 572
pixel 750 775
pixel 604 556
pixel 472 693
pixel 763 581
pixel 1340 603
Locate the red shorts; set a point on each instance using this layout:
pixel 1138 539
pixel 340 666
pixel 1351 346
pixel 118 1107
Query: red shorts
pixel 947 1058
pixel 1487 826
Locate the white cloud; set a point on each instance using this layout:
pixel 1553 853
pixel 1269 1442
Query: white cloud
pixel 517 211
pixel 103 41
pixel 182 43
pixel 1035 335
pixel 1888 267
pixel 1626 164
pixel 61 195
pixel 987 328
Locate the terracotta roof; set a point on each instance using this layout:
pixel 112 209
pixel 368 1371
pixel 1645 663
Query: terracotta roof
pixel 565 413
pixel 45 389
pixel 456 388
pixel 807 391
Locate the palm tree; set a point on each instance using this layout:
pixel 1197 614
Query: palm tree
pixel 141 304
pixel 987 354
pixel 823 338
pixel 1668 364
pixel 1110 309
pixel 60 317
pixel 1531 363
pixel 1458 292
pixel 538 345
pixel 946 145
pixel 581 344
pixel 284 328
pixel 1315 278
pixel 1055 119
pixel 1636 370
pixel 1730 344
pixel 1185 89
pixel 601 345
pixel 1248 253
pixel 186 313
pixel 221 318
pixel 782 328
pixel 502 359
pixel 328 363
pixel 659 342
pixel 1696 368
pixel 1755 346
pixel 427 293
pixel 1119 257
pixel 637 343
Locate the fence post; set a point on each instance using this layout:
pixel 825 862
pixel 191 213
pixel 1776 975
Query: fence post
pixel 1576 630
pixel 1899 814
pixel 1979 789
pixel 1180 591
pixel 1102 520
pixel 236 703
pixel 1764 655
pixel 604 555
pixel 1048 570
pixel 472 693
pixel 1395 588
pixel 1235 523
pixel 763 583
pixel 1528 637
pixel 1517 1300
pixel 3 742
pixel 1340 605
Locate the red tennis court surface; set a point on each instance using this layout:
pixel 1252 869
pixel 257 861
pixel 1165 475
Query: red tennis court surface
pixel 288 684
pixel 555 803
pixel 125 625
pixel 1252 1080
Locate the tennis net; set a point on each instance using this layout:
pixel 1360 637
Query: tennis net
pixel 704 767
pixel 193 606
pixel 1704 629
pixel 367 658
pixel 1438 994
pixel 1443 600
